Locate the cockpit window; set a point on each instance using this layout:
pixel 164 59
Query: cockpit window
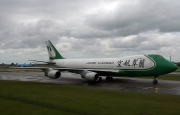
pixel 160 57
pixel 155 56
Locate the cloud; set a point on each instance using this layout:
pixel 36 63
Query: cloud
pixel 138 16
pixel 89 29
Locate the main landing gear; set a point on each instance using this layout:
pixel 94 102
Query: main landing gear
pixel 100 79
pixel 109 78
pixel 155 81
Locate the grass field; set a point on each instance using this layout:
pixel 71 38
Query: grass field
pixel 50 99
pixel 174 77
pixel 170 77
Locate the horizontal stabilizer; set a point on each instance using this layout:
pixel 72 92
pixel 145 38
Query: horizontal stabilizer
pixel 35 61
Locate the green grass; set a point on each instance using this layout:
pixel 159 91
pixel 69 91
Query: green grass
pixel 170 77
pixel 39 98
pixel 11 106
pixel 174 77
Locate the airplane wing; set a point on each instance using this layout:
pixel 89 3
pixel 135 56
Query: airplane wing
pixel 73 70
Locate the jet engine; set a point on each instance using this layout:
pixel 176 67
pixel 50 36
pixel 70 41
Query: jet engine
pixel 92 76
pixel 54 74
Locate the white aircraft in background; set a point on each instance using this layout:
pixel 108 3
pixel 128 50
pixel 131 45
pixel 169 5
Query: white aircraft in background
pixel 92 69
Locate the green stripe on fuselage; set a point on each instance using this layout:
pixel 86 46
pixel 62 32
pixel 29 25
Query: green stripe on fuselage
pixel 162 66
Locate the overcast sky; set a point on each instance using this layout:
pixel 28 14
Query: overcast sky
pixel 88 28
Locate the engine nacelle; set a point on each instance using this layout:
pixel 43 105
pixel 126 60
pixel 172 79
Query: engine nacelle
pixel 92 76
pixel 54 74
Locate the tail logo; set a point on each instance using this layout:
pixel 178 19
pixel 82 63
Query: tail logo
pixel 51 51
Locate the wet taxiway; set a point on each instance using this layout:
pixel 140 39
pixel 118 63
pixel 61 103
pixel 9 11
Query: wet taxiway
pixel 122 83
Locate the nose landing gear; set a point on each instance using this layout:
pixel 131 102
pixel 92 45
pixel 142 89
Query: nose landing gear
pixel 155 81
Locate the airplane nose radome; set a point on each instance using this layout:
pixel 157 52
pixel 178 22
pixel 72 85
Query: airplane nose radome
pixel 174 67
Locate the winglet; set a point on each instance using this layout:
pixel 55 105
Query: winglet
pixel 52 51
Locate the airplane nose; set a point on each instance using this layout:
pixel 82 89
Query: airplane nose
pixel 174 67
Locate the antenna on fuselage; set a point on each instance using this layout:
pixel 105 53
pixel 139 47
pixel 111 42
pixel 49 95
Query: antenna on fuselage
pixel 170 58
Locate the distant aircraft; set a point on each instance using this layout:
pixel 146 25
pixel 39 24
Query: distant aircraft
pixel 24 65
pixel 92 69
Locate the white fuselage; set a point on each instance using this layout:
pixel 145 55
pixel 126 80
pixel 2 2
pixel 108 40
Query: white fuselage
pixel 137 62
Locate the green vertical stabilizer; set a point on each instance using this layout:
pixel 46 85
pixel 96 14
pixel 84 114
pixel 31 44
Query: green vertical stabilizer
pixel 52 51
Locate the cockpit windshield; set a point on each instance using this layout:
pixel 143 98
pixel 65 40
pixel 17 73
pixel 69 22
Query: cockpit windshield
pixel 160 57
pixel 155 56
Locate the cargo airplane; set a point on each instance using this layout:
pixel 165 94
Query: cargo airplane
pixel 92 69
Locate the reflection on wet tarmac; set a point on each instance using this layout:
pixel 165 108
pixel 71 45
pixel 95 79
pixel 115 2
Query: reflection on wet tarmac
pixel 121 83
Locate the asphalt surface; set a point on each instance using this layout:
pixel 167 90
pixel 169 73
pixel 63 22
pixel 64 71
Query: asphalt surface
pixel 119 83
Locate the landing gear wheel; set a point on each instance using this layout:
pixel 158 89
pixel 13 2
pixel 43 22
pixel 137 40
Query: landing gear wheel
pixel 100 79
pixel 109 78
pixel 155 82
